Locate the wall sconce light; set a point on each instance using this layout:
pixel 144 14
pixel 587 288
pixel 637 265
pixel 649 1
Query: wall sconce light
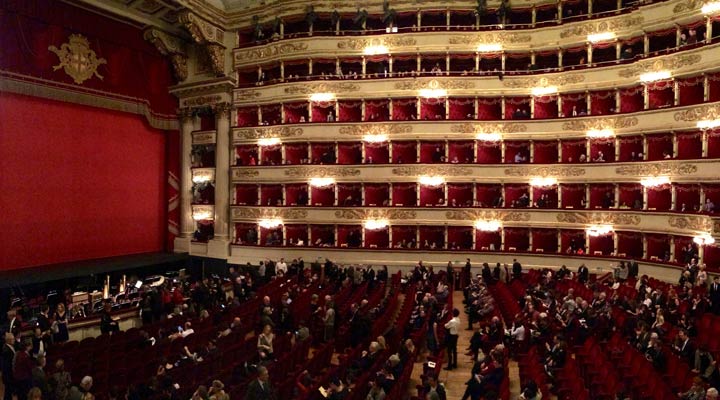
pixel 708 124
pixel 376 138
pixel 711 7
pixel 489 48
pixel 433 93
pixel 544 90
pixel 654 181
pixel 426 180
pixel 489 137
pixel 543 182
pixel 322 182
pixel 269 141
pixel 202 214
pixel 487 225
pixel 599 230
pixel 601 37
pixel 704 240
pixel 376 224
pixel 600 133
pixel 202 176
pixel 375 50
pixel 655 76
pixel 322 97
pixel 270 223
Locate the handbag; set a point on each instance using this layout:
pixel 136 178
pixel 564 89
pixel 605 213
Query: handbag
pixel 55 327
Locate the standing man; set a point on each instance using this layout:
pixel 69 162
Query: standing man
pixel 259 389
pixel 281 267
pixel 516 269
pixel 6 363
pixel 453 327
pixel 715 295
pixel 583 274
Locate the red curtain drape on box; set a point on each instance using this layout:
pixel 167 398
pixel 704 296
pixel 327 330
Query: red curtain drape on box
pixel 294 112
pixel 547 60
pixel 573 240
pixel 432 152
pixel 376 153
pixel 631 99
pixel 689 145
pixel 404 109
pixel 271 237
pixel 242 233
pixel 660 94
pixel 545 152
pixel 489 152
pixel 462 63
pixel 574 104
pixel 271 195
pixel 712 192
pixel 687 196
pixel 603 244
pixel 489 109
pixel 516 61
pixel 572 150
pixel 271 115
pixel 430 235
pixel 602 102
pixel 432 109
pixel 403 236
pixel 598 193
pixel 515 106
pixel 519 238
pixel 349 111
pixel 404 194
pixel 460 194
pixel 377 110
pixel 659 198
pixel 377 194
pixel 321 110
pixel 490 62
pixel 300 68
pixel 323 153
pixel 461 108
pixel 460 152
pixel 246 154
pixel 460 237
pixel 377 238
pixel 691 90
pixel 322 235
pixel 296 235
pixel 432 196
pixel 659 146
pixel 487 241
pixel 349 153
pixel 246 195
pixel 487 195
pixel 513 193
pixel 351 65
pixel 247 116
pixel 296 194
pixel 714 87
pixel 550 196
pixel 630 244
pixel 323 196
pixel 574 57
pixel 404 152
pixel 606 146
pixel 713 143
pixel 712 257
pixel 572 195
pixel 657 245
pixel 349 235
pixel 271 155
pixel 296 153
pixel 545 107
pixel 630 148
pixel 630 195
pixel 545 239
pixel 515 147
pixel 349 194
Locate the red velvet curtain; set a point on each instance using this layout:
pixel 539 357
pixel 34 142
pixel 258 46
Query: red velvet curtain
pixel 572 150
pixel 657 246
pixel 513 192
pixel 432 237
pixel 376 153
pixel 602 102
pixel 349 153
pixel 691 90
pixel 545 152
pixel 660 146
pixel 487 241
pixel 246 154
pixel 404 237
pixel 294 112
pixel 377 194
pixel 689 145
pixel 713 143
pixel 404 109
pixel 296 153
pixel 572 240
pixel 323 153
pixel 631 195
pixel 271 237
pixel 297 235
pixel 488 195
pixel 349 235
pixel 377 238
pixel 432 152
pixel 322 235
pixel 246 195
pixel 574 104
pixel 631 99
pixel 323 111
pixel 460 152
pixel 688 198
pixel 714 86
pixel 323 196
pixel 296 194
pixel 432 109
pixel 604 146
pixel 520 148
pixel 545 240
pixel 243 232
pixel 545 197
pixel 572 195
pixel 517 107
pixel 349 111
pixel 460 237
pixel 603 244
pixel 247 116
pixel 377 110
pixel 460 194
pixel 271 195
pixel 349 194
pixel 630 245
pixel 489 109
pixel 271 155
pixel 599 193
pixel 432 196
pixel 545 107
pixel 630 148
pixel 712 193
pixel 404 194
pixel 461 108
pixel 517 238
pixel 489 152
pixel 682 243
pixel 659 198
pixel 660 94
pixel 712 257
pixel 404 152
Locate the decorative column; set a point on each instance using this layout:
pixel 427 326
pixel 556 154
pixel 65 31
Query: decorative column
pixel 617 149
pixel 502 108
pixel 706 88
pixel 673 197
pixel 502 152
pixel 502 239
pixel 587 195
pixel 645 148
pixel 559 151
pixel 704 144
pixel 588 102
pixel 674 144
pixel 532 152
pixel 617 101
pixel 559 196
pixel 417 152
pixel 530 241
pixel 445 238
pixel 187 224
pixel 708 30
pixel 646 97
pixel 646 44
pixel 616 196
pixel 615 243
pixel 559 241
pixel 219 244
pixel 362 110
pixel 417 195
pixel 645 198
pixel 672 248
pixel 589 54
pixel 645 247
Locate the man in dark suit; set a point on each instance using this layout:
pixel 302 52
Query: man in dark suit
pixel 633 269
pixel 684 347
pixel 715 295
pixel 6 365
pixel 516 269
pixel 583 274
pixel 260 389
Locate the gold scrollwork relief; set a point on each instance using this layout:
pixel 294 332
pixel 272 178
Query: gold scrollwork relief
pixel 418 84
pixel 446 170
pixel 657 169
pixel 201 101
pixel 598 218
pixel 716 227
pixel 267 132
pixel 488 128
pixel 333 87
pixel 203 138
pixel 661 64
pixel 613 25
pixel 245 173
pixel 269 51
pixel 302 172
pixel 77 59
pixel 246 94
pixel 359 44
pixel 375 129
pixel 505 216
pixel 559 80
pixel 698 113
pixel 257 213
pixel 490 37
pixel 702 224
pixel 545 171
pixel 600 123
pixel 688 5
pixel 376 214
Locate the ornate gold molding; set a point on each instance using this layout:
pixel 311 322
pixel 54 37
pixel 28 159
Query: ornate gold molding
pixel 392 41
pixel 657 169
pixel 599 123
pixel 267 132
pixel 545 171
pixel 418 84
pixel 612 25
pixel 688 5
pixel 505 216
pixel 318 87
pixel 660 64
pixel 203 138
pixel 201 101
pixel 531 82
pixel 77 59
pixel 696 223
pixel 308 172
pixel 222 110
pixel 278 49
pixel 442 170
pixel 376 214
pixel 260 213
pixel 611 218
pixel 490 38
pixel 488 128
pixel 246 94
pixel 244 173
pixel 700 113
pixel 209 36
pixel 170 46
pixel 375 129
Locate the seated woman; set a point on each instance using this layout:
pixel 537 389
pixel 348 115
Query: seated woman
pixel 265 344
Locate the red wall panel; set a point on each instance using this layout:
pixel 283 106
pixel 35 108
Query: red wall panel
pixel 78 183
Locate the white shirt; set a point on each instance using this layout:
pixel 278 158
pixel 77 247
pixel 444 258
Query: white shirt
pixel 518 333
pixel 281 266
pixel 453 325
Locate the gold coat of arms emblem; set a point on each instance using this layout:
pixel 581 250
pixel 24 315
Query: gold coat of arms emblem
pixel 77 59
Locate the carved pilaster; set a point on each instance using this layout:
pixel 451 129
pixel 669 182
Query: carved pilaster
pixel 209 36
pixel 172 47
